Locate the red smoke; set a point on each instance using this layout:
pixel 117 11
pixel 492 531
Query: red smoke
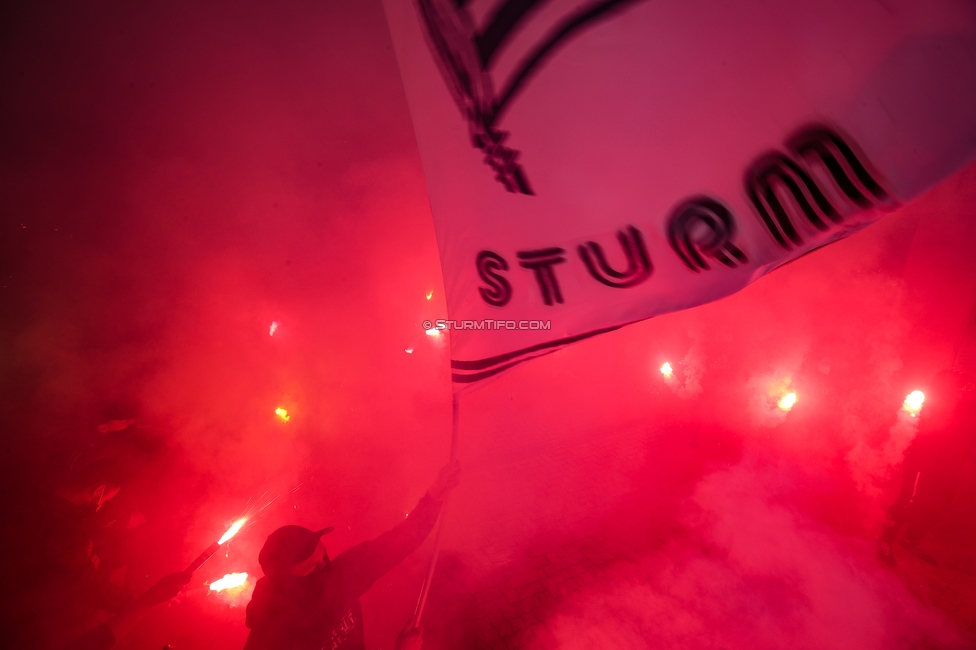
pixel 179 176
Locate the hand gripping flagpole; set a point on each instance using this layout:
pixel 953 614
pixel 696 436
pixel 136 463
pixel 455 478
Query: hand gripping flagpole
pixel 455 410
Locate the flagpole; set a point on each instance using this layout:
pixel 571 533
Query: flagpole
pixel 422 601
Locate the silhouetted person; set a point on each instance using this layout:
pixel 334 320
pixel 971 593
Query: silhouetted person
pixel 54 561
pixel 932 463
pixel 308 601
pixel 107 634
pixel 140 451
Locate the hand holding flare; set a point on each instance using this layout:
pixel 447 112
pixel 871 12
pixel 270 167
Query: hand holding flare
pixel 206 555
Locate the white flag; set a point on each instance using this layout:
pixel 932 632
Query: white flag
pixel 591 163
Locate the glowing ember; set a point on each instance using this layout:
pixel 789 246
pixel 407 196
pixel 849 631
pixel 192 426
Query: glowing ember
pixel 430 294
pixel 666 370
pixel 787 402
pixel 913 403
pixel 229 581
pixel 433 331
pixel 274 326
pixel 232 530
pixel 283 414
pixel 409 350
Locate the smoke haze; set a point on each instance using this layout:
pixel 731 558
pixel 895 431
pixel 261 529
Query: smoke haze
pixel 178 176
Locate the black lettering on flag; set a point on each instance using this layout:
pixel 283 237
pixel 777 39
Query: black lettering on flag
pixel 639 266
pixel 773 172
pixel 703 227
pixel 542 262
pixel 502 24
pixel 780 186
pixel 466 53
pixel 499 290
pixel 503 160
pixel 818 142
pixel 585 16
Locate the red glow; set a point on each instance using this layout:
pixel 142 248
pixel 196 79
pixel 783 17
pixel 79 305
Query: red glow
pixel 602 503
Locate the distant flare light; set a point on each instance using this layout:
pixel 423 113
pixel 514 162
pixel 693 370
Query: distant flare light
pixel 430 294
pixel 433 331
pixel 667 370
pixel 274 326
pixel 283 414
pixel 229 581
pixel 233 530
pixel 913 402
pixel 787 401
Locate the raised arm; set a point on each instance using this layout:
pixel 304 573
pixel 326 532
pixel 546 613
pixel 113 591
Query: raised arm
pixel 105 636
pixel 362 565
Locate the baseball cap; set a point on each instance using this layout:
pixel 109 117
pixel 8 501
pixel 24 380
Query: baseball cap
pixel 289 545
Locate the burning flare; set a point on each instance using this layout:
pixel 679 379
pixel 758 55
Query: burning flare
pixel 666 370
pixel 913 402
pixel 430 294
pixel 233 530
pixel 274 326
pixel 433 331
pixel 229 581
pixel 213 548
pixel 787 401
pixel 283 414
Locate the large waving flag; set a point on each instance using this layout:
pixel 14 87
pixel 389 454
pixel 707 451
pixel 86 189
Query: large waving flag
pixel 591 163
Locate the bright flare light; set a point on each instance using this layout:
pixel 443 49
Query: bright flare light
pixel 233 530
pixel 430 294
pixel 433 331
pixel 666 370
pixel 229 581
pixel 787 402
pixel 913 403
pixel 274 326
pixel 283 414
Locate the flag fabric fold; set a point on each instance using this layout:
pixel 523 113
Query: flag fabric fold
pixel 592 163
